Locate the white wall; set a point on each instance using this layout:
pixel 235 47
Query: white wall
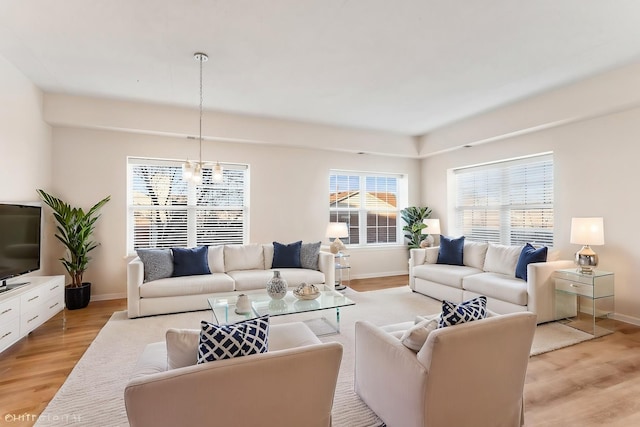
pixel 25 140
pixel 596 174
pixel 288 193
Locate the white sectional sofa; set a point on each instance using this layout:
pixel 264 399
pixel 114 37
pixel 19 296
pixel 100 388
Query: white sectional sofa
pixel 493 278
pixel 234 269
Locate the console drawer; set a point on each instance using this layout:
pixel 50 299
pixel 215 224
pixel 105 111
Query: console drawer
pixel 34 298
pixel 9 310
pixel 9 333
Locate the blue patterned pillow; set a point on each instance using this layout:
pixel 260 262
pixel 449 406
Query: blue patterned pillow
pixel 218 342
pixel 466 311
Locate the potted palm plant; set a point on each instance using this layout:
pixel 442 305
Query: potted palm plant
pixel 74 229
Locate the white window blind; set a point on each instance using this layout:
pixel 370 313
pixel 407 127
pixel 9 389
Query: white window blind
pixel 368 204
pixel 508 202
pixel 165 211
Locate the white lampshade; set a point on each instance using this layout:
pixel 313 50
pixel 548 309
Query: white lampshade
pixel 433 226
pixel 587 231
pixel 337 229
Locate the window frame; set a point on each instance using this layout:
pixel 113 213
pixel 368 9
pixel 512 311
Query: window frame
pixel 191 209
pixel 513 177
pixel 362 211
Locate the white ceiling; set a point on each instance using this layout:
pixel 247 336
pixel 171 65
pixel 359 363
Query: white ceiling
pixel 406 66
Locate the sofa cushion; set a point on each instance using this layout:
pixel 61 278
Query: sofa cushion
pixel 415 337
pixel 451 251
pixel 502 259
pixel 474 253
pixel 190 261
pixel 218 342
pixel 528 255
pixel 466 311
pixel 309 253
pixel 187 285
pixel 498 286
pixel 444 274
pixel 158 263
pixel 286 256
pixel 243 257
pixel 182 347
pixel 216 259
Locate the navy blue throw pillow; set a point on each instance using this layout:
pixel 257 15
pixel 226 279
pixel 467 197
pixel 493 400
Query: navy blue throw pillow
pixel 528 255
pixel 286 256
pixel 190 261
pixel 451 250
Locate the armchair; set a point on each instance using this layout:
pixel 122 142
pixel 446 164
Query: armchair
pixel 293 384
pixel 465 375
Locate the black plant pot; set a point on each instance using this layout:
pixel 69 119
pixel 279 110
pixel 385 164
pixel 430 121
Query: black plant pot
pixel 76 298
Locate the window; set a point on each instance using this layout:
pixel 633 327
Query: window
pixel 508 202
pixel 368 204
pixel 165 211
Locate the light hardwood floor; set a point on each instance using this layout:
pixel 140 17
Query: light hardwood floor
pixel 594 383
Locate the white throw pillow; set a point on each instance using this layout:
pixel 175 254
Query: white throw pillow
pixel 474 253
pixel 243 257
pixel 431 255
pixel 216 259
pixel 502 259
pixel 415 337
pixel 182 347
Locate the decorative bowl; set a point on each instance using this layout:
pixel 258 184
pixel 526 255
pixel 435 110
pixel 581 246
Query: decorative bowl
pixel 306 291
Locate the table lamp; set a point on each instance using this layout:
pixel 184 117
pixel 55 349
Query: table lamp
pixel 587 232
pixel 336 230
pixel 433 227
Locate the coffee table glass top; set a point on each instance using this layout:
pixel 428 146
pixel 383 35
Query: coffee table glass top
pixel 223 306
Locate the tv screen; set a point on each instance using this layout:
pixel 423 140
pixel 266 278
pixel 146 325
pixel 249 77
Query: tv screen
pixel 19 239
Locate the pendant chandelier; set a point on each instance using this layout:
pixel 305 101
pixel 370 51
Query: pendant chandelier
pixel 192 171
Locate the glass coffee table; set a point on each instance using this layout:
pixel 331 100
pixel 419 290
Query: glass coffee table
pixel 223 307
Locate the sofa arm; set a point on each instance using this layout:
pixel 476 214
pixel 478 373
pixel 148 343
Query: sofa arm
pixel 327 265
pixel 376 352
pixel 135 278
pixel 541 289
pixel 232 392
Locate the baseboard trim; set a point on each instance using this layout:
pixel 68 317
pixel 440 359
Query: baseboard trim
pixel 625 319
pixel 104 297
pixel 375 275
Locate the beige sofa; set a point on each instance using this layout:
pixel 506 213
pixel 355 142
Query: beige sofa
pixel 234 269
pixel 470 374
pixel 493 277
pixel 293 384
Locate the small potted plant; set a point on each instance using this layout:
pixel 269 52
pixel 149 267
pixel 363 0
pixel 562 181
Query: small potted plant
pixel 413 217
pixel 74 230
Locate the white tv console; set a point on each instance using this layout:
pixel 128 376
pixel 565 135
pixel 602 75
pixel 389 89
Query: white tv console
pixel 26 307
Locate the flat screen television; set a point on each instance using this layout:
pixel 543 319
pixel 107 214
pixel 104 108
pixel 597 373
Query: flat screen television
pixel 20 231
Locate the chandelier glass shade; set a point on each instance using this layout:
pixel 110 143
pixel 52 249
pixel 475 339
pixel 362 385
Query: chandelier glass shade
pixel 191 170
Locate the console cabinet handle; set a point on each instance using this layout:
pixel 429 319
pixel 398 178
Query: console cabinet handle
pixel 34 298
pixel 5 335
pixel 6 311
pixel 32 319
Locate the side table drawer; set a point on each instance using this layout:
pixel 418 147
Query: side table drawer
pixel 574 287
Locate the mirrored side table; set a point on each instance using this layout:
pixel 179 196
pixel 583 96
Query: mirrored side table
pixel 585 301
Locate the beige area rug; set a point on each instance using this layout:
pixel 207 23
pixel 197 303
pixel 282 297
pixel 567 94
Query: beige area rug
pixel 93 393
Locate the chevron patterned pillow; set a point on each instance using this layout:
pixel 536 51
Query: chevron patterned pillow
pixel 218 342
pixel 466 311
